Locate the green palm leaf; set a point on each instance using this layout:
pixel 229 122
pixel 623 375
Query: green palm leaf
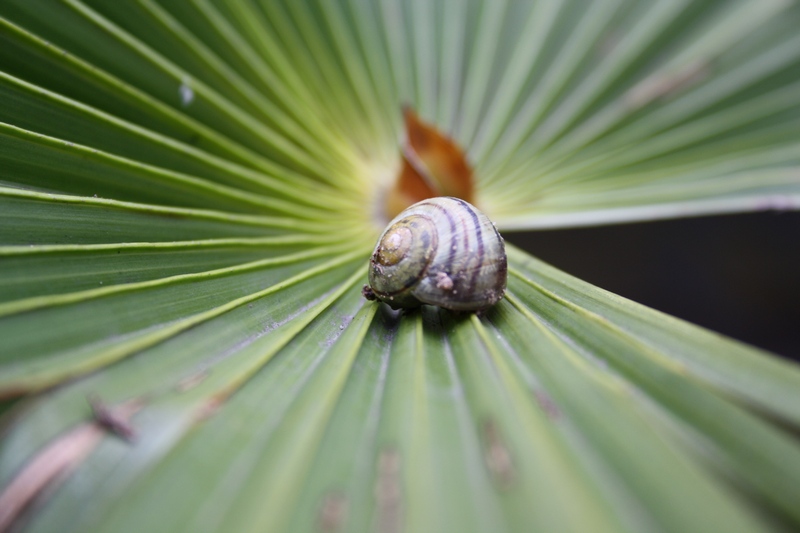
pixel 189 192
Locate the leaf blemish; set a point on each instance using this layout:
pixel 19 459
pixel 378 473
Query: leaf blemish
pixel 209 408
pixel 113 419
pixel 333 512
pixel 547 405
pixel 192 380
pixel 388 492
pixel 55 461
pixel 497 457
pixel 661 86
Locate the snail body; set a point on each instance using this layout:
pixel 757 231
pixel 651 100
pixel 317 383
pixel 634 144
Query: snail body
pixel 442 252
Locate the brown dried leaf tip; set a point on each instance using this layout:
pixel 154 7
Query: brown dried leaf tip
pixel 433 165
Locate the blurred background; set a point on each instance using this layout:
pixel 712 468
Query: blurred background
pixel 735 274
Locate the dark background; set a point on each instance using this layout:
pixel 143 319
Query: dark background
pixel 735 274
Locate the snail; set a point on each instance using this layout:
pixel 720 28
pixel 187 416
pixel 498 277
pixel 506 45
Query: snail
pixel 442 252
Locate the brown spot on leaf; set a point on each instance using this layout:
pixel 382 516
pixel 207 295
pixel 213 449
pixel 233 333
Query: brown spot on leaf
pixel 191 381
pixel 332 512
pixel 497 456
pixel 547 405
pixel 388 492
pixel 56 460
pixel 210 407
pixel 113 419
pixel 661 86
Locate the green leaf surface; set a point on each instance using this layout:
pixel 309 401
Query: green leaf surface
pixel 189 193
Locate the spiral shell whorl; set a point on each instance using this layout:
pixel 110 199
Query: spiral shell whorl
pixel 402 255
pixel 443 252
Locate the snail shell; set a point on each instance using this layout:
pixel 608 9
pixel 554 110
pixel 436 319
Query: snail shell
pixel 440 251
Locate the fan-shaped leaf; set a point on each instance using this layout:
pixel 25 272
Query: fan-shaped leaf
pixel 189 192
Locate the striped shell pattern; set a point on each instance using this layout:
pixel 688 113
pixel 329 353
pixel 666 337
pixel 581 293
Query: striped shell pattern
pixel 442 252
